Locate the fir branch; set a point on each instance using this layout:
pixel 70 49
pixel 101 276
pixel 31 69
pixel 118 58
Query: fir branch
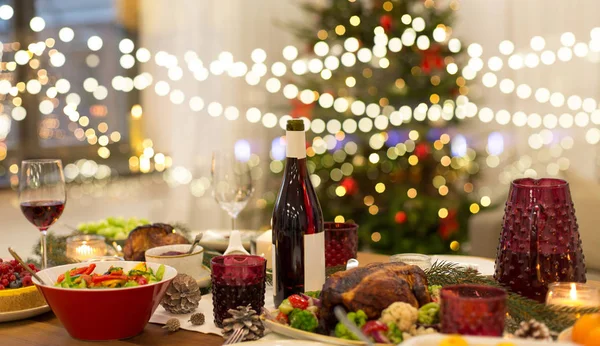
pixel 557 318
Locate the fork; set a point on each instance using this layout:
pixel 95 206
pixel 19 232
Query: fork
pixel 237 336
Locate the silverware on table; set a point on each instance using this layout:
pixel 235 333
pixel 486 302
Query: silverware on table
pixel 33 273
pixel 196 242
pixel 340 313
pixel 237 336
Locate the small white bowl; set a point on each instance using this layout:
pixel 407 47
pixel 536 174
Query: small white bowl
pixel 185 264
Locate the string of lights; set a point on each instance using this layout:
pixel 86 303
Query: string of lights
pixel 378 118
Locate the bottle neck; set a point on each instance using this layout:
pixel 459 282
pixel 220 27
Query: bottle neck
pixel 296 144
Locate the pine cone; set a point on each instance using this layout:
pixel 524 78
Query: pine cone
pixel 197 319
pixel 172 325
pixel 533 330
pixel 182 296
pixel 246 318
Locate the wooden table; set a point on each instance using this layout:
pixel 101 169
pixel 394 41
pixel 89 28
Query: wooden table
pixel 46 330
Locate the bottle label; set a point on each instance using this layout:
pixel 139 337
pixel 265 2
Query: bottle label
pixel 274 268
pixel 314 261
pixel 296 144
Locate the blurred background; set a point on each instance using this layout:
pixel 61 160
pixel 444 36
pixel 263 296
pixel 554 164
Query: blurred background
pixel 419 114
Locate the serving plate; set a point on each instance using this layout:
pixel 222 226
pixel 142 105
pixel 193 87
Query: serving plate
pixel 23 314
pixel 484 265
pixel 298 334
pixel 280 343
pixel 219 239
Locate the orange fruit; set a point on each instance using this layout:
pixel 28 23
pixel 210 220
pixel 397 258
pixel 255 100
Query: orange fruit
pixel 584 326
pixel 453 340
pixel 593 338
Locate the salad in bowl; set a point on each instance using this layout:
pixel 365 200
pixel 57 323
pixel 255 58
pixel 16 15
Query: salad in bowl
pixel 105 300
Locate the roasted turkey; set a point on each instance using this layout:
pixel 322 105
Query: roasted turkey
pixel 146 237
pixel 373 288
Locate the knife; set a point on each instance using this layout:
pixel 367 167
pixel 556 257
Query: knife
pixel 340 313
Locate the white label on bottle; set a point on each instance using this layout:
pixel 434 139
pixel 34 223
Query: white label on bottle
pixel 314 261
pixel 296 144
pixel 274 269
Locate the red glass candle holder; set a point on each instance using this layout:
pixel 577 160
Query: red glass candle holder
pixel 341 243
pixel 237 280
pixel 473 310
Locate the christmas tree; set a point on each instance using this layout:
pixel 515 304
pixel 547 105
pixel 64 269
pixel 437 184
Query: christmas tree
pixel 381 85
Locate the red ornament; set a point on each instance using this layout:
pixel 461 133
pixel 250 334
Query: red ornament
pixel 448 225
pixel 431 59
pixel 400 217
pixel 386 22
pixel 421 150
pixel 301 109
pixel 350 185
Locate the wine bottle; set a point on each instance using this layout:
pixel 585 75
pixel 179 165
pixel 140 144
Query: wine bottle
pixel 298 234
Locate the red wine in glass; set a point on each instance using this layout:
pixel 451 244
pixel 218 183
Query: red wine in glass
pixel 42 214
pixel 42 195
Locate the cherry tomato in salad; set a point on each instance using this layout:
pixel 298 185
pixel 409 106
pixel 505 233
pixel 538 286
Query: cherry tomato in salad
pixel 282 318
pixel 298 302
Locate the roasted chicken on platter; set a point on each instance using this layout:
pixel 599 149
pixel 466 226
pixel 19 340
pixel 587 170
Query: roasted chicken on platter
pixel 373 288
pixel 146 237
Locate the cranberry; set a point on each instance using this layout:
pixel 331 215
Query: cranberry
pixel 26 281
pixel 12 278
pixel 32 266
pixel 5 282
pixel 1 287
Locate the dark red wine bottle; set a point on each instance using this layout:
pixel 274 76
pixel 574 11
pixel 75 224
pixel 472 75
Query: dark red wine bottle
pixel 298 234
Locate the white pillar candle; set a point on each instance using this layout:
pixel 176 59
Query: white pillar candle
pixel 264 245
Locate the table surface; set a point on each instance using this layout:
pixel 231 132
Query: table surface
pixel 46 329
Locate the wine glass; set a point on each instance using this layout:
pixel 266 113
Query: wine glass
pixel 42 195
pixel 232 183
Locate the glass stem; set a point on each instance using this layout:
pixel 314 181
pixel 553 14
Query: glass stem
pixel 43 250
pixel 233 223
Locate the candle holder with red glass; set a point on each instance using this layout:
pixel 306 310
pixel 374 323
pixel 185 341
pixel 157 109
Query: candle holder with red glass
pixel 341 243
pixel 237 280
pixel 473 310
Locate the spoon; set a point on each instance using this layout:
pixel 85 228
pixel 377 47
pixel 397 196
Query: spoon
pixel 18 258
pixel 196 241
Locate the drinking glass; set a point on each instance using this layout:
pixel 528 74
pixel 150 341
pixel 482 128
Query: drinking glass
pixel 473 310
pixel 42 196
pixel 232 183
pixel 237 280
pixel 417 259
pixel 540 241
pixel 341 243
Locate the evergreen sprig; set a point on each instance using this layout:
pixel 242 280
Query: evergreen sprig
pixel 556 318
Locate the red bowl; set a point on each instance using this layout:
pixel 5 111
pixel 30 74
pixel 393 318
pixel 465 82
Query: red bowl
pixel 104 314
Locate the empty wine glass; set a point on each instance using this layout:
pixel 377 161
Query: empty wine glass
pixel 42 196
pixel 232 183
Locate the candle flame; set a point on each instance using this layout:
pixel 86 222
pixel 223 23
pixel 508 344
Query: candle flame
pixel 573 292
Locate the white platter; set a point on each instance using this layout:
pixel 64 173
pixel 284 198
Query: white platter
pixel 299 335
pixel 23 314
pixel 281 343
pixel 484 265
pixel 219 239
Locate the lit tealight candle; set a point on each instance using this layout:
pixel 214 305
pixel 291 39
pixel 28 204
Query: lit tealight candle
pixel 573 294
pixel 84 247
